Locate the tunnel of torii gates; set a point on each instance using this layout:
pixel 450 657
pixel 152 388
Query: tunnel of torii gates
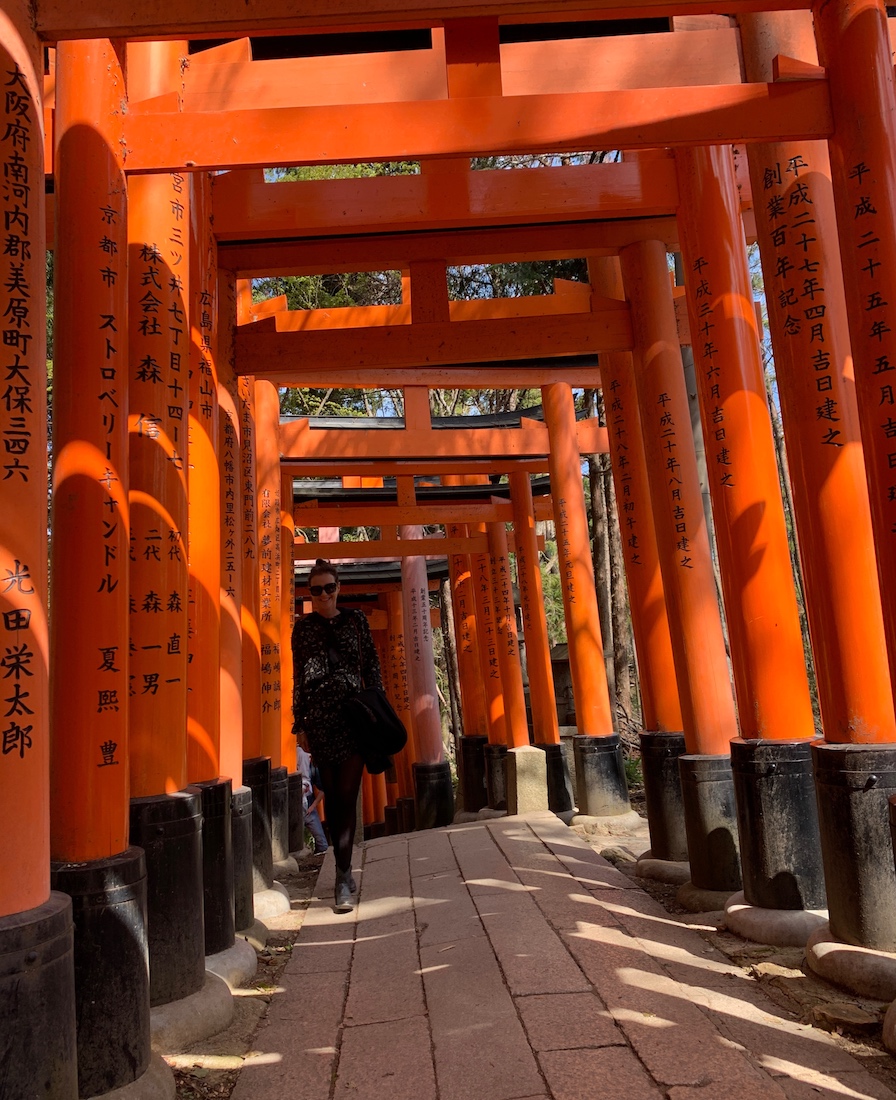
pixel 147 755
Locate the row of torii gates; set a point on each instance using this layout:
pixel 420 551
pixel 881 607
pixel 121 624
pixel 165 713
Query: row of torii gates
pixel 145 670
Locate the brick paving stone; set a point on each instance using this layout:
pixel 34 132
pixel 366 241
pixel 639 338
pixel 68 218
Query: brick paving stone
pixel 855 1085
pixel 388 1061
pixel 611 1073
pixel 445 910
pixel 386 847
pixel 566 1021
pixel 532 956
pixel 482 863
pixel 430 853
pixel 481 1051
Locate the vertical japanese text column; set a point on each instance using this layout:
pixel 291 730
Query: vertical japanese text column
pixel 90 574
pixel 397 688
pixel 698 642
pixel 39 1044
pixel 203 674
pixel 287 618
pixel 267 421
pixel 251 632
pixel 770 679
pixel 662 739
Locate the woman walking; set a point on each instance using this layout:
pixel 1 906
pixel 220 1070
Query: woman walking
pixel 333 657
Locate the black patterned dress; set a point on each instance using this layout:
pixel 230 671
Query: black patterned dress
pixel 331 657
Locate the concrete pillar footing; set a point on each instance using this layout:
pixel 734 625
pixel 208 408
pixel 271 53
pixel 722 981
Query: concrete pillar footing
pixel 863 970
pixel 527 780
pixel 615 825
pixel 696 899
pixel 777 927
pixel 256 935
pixel 674 872
pixel 271 902
pixel 236 965
pixel 157 1083
pixel 286 866
pixel 176 1026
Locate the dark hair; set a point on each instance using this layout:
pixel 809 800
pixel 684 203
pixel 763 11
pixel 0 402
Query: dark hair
pixel 320 567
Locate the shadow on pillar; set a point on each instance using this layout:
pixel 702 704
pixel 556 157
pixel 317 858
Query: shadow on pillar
pixel 216 797
pixel 472 760
pixel 496 776
pixel 707 788
pixel 111 968
pixel 777 822
pixel 169 829
pixel 257 777
pixel 662 794
pixel 434 795
pixel 392 820
pixel 854 784
pixel 279 815
pixel 600 770
pixel 241 840
pixel 37 1005
pixel 561 796
pixel 295 813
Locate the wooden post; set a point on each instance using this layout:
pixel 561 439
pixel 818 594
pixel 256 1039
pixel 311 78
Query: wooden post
pixel 267 412
pixel 507 642
pixel 770 679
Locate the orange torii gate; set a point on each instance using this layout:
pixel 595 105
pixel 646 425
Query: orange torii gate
pixel 121 134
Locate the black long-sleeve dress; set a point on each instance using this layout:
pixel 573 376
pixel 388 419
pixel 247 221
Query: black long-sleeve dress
pixel 331 658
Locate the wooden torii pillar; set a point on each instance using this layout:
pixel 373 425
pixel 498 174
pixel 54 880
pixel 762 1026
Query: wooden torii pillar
pixel 40 1051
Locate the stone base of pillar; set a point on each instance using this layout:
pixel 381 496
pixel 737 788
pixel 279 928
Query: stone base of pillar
pixel 241 840
pixel 256 935
pixel 527 780
pixel 707 788
pixel 854 783
pixel 157 1083
pixel 375 830
pixel 216 797
pixel 496 776
pixel 288 866
pixel 662 794
pixel 561 795
pixel 600 768
pixel 776 927
pixel 697 899
pixel 777 821
pixel 176 1026
pixel 407 815
pixel 272 902
pixel 862 970
pixel 568 735
pixel 279 814
pixel 169 829
pixel 434 795
pixel 295 812
pixel 257 776
pixel 393 821
pixel 37 1004
pixel 671 871
pixel 474 793
pixel 237 965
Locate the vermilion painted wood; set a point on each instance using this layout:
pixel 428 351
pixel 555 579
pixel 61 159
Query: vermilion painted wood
pixel 816 386
pixel 542 698
pixel 766 645
pixel 698 643
pixel 660 704
pixel 594 715
pixel 249 615
pixel 397 688
pixel 287 618
pixel 25 760
pixel 863 162
pixel 507 641
pixel 267 435
pixel 158 397
pixel 160 141
pixel 204 482
pixel 231 642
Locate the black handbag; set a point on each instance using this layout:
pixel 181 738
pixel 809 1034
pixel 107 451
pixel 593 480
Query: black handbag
pixel 380 730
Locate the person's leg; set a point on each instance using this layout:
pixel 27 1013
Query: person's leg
pixel 312 820
pixel 341 783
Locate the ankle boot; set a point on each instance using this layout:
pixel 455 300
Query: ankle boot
pixel 343 894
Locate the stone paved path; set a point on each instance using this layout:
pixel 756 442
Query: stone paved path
pixel 507 960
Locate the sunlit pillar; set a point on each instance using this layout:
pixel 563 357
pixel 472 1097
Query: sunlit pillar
pixel 698 642
pixel 39 1050
pixel 599 764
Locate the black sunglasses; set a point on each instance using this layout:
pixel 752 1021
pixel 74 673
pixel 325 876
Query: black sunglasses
pixel 319 589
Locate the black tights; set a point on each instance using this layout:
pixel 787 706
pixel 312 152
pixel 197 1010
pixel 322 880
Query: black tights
pixel 340 784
